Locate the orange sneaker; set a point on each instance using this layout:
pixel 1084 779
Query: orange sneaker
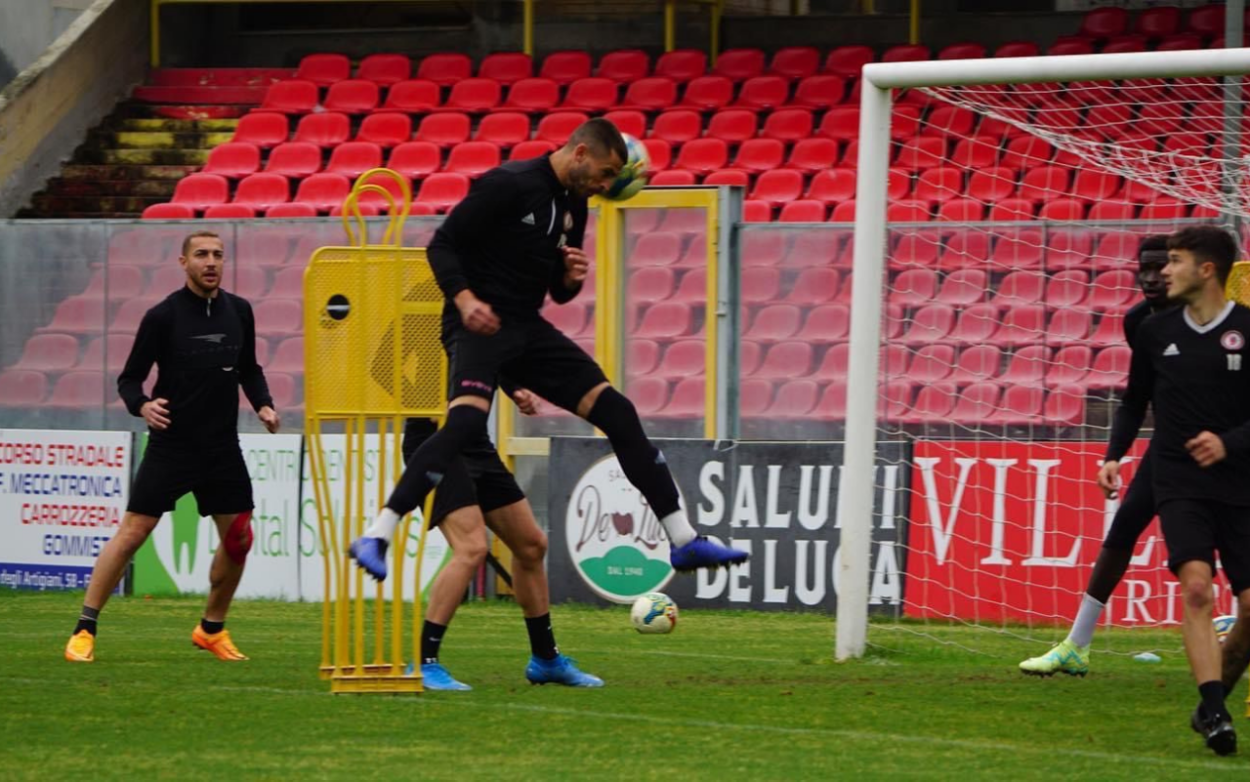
pixel 81 647
pixel 217 643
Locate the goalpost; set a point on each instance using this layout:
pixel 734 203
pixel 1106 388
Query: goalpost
pixel 1106 140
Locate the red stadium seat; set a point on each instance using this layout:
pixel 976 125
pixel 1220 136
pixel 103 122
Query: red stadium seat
pixel 832 185
pixel 414 96
pixel 948 121
pixel 760 285
pixel 443 191
pixel 200 191
pixel 1125 43
pixel 760 154
pixel 1063 209
pixel 813 156
pixel 763 248
pixel 1104 23
pixel 939 184
pixel 353 158
pixel 649 285
pixel 504 129
pixel 802 212
pixel 473 96
pixel 666 320
pixel 261 191
pixel 262 129
pixel 533 96
pixel 703 155
pixel 1019 288
pixel 774 323
pixel 1158 22
pixel 1065 405
pixel 324 130
pixel 128 317
pixel 473 158
pixel 681 65
pixel 1067 288
pixel 786 360
pixel 569 318
pixel 279 317
pixel 915 249
pixel 848 61
pixel 445 69
pixel 49 353
pixel 656 249
pixel 754 211
pixel 907 52
pixel 506 67
pixel 962 210
pixel 1018 49
pixel 1070 366
pixel 531 149
pixel 976 403
pixel 962 51
pixel 683 358
pixel 233 159
pixel 1022 325
pixel 385 69
pixel 630 122
pixel 624 66
pixel 728 176
pixel 642 357
pixel 590 95
pixel 1112 210
pixel 1109 330
pixel 1164 209
pixel 78 389
pixel 445 130
pixel 992 184
pixel 1020 405
pixel 290 97
pixel 1027 152
pixel 291 210
pixel 732 126
pixel 908 211
pixel 921 153
pixel 1068 250
pixel 707 93
pixel 820 92
pixel 352 96
pixel 914 287
pixel 777 187
pixel 931 363
pixel 389 129
pixel 1028 365
pixel 795 399
pixel 416 159
pixel 977 363
pixel 1071 46
pixel 1014 209
pixel 296 159
pixel 324 69
pixel 813 287
pixel 929 324
pixel 168 212
pixel 739 64
pixel 1070 326
pixel 558 126
pixel 788 125
pixel 964 287
pixel 832 404
pixel 966 250
pixel 1112 290
pixel 677 126
pixel 763 93
pixel 827 323
pixel 843 212
pixel 565 67
pixel 1018 248
pixel 1045 183
pixel 1207 20
pixel 323 191
pixel 1110 368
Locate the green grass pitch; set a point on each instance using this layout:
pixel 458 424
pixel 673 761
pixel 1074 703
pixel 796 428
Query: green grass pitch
pixel 728 695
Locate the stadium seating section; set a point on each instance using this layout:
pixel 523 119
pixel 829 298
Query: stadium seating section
pixel 1015 326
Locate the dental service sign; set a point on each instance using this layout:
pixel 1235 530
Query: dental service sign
pixel 62 498
pixel 1008 531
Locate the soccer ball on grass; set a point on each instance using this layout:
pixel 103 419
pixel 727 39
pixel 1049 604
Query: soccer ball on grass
pixel 634 174
pixel 655 613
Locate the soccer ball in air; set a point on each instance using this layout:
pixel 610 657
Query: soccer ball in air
pixel 1223 626
pixel 634 173
pixel 654 612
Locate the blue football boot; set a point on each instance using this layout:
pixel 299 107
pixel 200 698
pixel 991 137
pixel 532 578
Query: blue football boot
pixel 560 670
pixel 370 554
pixel 703 553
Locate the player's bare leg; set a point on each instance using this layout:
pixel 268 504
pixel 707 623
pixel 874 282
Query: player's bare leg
pixel 105 576
pixel 1203 650
pixel 223 580
pixel 465 414
pixel 644 466
pixel 1236 652
pixel 465 531
pixel 518 529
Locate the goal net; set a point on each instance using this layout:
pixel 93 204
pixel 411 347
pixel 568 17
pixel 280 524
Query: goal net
pixel 998 220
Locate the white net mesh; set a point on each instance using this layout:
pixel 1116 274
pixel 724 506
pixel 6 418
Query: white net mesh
pixel 1015 216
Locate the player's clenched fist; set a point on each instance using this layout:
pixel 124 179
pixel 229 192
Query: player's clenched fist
pixel 1207 449
pixel 576 266
pixel 476 314
pixel 156 413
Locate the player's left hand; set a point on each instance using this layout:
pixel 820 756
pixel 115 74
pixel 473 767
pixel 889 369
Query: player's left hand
pixel 526 401
pixel 269 417
pixel 576 266
pixel 1207 449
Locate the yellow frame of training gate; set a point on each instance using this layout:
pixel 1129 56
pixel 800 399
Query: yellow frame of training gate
pixel 363 305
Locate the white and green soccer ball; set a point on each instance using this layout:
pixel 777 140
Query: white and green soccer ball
pixel 634 174
pixel 654 613
pixel 1223 626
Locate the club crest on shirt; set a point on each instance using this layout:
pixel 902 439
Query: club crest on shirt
pixel 1232 340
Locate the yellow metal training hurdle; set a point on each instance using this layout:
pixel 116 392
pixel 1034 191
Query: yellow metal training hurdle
pixel 372 358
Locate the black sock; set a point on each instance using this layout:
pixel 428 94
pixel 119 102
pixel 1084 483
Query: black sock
pixel 1212 693
pixel 87 620
pixel 212 627
pixel 542 639
pixel 642 462
pixel 429 463
pixel 431 638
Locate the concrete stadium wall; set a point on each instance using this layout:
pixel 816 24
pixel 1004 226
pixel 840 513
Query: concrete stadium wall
pixel 46 111
pixel 27 27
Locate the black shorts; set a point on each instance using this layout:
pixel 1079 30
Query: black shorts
pixel 477 477
pixel 1137 509
pixel 1197 529
pixel 533 354
pixel 217 477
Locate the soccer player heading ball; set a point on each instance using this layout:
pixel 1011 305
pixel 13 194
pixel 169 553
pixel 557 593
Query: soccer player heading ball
pixel 516 237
